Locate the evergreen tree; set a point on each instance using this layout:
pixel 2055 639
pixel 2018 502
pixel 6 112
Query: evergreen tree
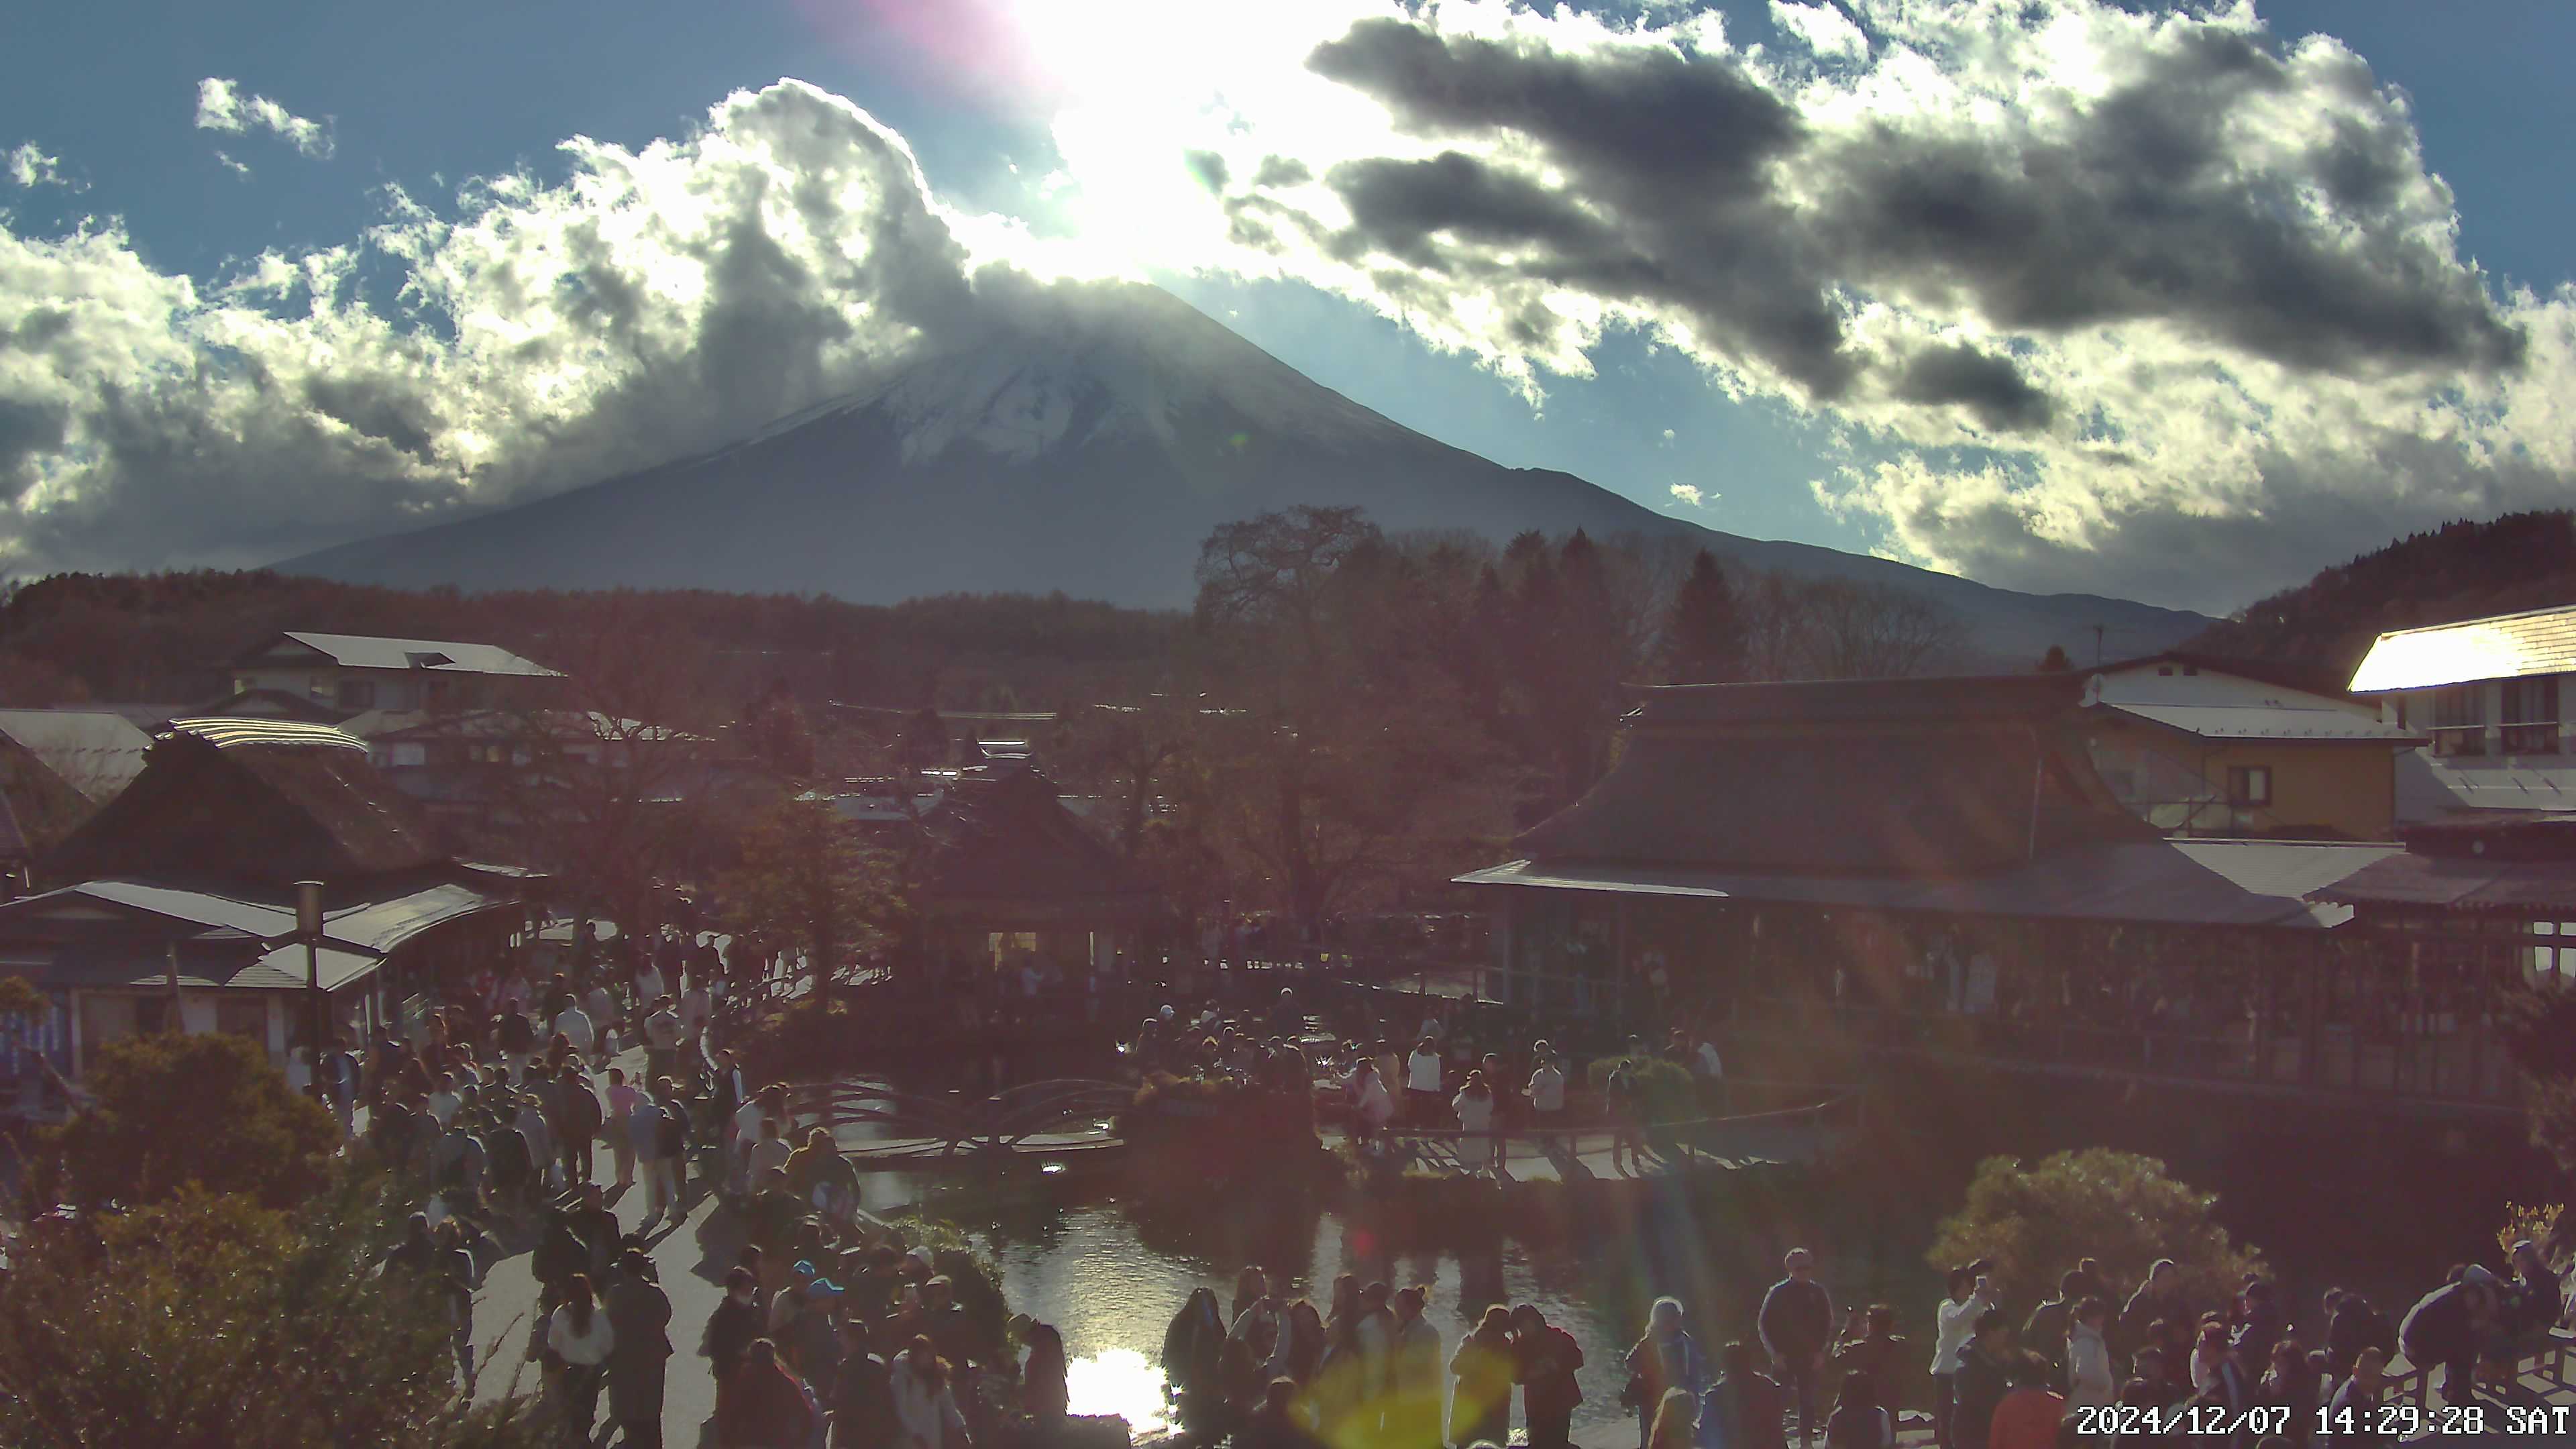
pixel 2055 661
pixel 1704 632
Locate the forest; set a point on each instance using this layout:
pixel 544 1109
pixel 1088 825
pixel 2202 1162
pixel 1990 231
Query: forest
pixel 2462 570
pixel 1346 716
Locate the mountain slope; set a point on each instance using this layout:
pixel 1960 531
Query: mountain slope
pixel 1089 452
pixel 2463 570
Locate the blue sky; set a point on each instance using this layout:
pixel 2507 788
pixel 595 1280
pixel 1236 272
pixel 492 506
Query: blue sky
pixel 110 97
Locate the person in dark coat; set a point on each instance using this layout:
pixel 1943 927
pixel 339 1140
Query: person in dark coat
pixel 1797 1325
pixel 639 1313
pixel 2531 1299
pixel 2044 1332
pixel 2448 1326
pixel 1743 1409
pixel 739 1319
pixel 1544 1360
pixel 2260 1326
pixel 2353 1324
pixel 1980 1383
pixel 862 1400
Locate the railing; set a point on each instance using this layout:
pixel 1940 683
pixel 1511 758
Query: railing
pixel 1788 1134
pixel 2436 1065
pixel 999 1123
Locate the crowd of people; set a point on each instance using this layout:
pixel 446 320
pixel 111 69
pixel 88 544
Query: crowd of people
pixel 1276 1372
pixel 1462 1076
pixel 834 1329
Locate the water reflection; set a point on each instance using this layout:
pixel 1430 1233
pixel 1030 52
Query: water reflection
pixel 1119 1381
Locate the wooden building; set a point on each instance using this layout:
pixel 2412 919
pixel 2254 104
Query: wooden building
pixel 1834 870
pixel 2209 747
pixel 1009 877
pixel 180 896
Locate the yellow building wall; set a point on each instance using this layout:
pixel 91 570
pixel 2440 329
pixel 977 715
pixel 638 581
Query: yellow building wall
pixel 2332 788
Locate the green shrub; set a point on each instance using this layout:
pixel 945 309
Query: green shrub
pixel 206 1110
pixel 2116 1207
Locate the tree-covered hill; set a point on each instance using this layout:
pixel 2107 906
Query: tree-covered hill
pixel 2459 571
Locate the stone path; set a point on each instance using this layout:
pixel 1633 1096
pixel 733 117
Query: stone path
pixel 691 1255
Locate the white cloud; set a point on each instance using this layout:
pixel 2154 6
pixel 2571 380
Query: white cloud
pixel 225 160
pixel 222 106
pixel 654 302
pixel 30 167
pixel 1668 437
pixel 1691 495
pixel 2077 284
pixel 1825 31
pixel 1918 246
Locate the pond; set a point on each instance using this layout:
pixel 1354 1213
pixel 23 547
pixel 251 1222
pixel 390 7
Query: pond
pixel 1110 1271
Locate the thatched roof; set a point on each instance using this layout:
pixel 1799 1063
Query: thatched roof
pixel 1001 838
pixel 250 801
pixel 1903 777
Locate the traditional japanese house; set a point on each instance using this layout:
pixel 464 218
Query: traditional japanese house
pixel 180 895
pixel 1839 869
pixel 1009 877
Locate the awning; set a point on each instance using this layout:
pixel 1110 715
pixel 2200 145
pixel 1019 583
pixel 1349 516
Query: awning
pixel 383 925
pixel 2199 883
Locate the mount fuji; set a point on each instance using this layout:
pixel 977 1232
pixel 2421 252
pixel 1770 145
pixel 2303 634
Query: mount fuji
pixel 1091 451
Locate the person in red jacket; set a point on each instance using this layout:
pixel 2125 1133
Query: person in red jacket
pixel 2031 1411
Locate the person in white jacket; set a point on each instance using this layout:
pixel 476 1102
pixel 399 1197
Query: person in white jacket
pixel 578 1336
pixel 1422 1083
pixel 2089 1384
pixel 925 1399
pixel 1971 1295
pixel 1371 1105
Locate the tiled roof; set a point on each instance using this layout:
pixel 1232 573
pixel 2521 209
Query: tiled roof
pixel 2507 646
pixel 97 752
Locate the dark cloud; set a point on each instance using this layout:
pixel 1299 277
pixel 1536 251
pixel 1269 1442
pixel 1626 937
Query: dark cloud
pixel 1688 184
pixel 1991 388
pixel 1645 113
pixel 1277 171
pixel 1208 167
pixel 2144 213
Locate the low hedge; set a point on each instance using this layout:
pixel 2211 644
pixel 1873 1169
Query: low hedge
pixel 1666 1091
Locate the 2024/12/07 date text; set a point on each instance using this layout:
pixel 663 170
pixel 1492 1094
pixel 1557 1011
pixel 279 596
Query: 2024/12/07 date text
pixel 2386 1421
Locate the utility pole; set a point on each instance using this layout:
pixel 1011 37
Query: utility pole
pixel 308 924
pixel 2097 646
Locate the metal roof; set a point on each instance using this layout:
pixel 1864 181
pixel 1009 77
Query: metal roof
pixel 202 908
pixel 2283 722
pixel 2430 786
pixel 383 925
pixel 226 732
pixel 2525 888
pixel 364 651
pixel 95 751
pixel 2506 646
pixel 2245 883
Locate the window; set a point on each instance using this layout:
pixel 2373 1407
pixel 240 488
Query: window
pixel 355 694
pixel 2529 716
pixel 407 755
pixel 2249 785
pixel 2460 720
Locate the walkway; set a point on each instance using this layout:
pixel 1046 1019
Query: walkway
pixel 1793 1135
